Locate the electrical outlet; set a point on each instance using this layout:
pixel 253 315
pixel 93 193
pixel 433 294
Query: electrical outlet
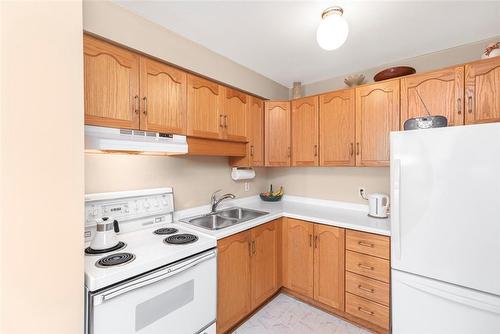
pixel 362 192
pixel 247 186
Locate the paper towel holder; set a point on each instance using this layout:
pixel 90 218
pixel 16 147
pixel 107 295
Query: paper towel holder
pixel 242 173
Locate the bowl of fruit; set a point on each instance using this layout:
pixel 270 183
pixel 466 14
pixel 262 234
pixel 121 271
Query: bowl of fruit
pixel 272 196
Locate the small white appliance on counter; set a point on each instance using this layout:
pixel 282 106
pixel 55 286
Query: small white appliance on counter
pixel 445 230
pixel 378 205
pixel 158 278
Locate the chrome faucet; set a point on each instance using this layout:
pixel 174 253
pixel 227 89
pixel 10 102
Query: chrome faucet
pixel 215 202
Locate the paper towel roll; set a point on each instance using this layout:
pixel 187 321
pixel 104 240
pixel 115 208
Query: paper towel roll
pixel 242 173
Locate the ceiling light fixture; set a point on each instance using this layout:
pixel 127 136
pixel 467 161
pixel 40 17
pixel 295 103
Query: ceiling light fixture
pixel 333 29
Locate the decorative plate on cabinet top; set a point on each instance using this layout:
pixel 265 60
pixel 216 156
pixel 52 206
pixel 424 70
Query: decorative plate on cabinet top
pixel 394 72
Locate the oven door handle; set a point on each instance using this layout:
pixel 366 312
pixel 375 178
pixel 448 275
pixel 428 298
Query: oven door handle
pixel 153 277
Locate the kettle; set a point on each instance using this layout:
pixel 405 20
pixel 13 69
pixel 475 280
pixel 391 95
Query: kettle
pixel 378 205
pixel 105 236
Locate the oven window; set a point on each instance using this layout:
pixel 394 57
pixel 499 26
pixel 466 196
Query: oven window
pixel 158 307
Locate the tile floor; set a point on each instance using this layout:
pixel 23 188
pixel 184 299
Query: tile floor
pixel 287 315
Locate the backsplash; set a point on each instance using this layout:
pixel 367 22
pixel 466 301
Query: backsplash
pixel 193 179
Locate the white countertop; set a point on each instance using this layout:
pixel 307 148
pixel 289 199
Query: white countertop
pixel 340 214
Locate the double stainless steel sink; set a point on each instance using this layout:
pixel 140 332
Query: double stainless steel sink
pixel 224 218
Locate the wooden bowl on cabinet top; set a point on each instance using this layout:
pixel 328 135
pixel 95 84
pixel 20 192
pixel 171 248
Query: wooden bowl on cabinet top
pixel 394 72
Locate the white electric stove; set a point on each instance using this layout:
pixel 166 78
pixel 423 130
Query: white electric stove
pixel 161 278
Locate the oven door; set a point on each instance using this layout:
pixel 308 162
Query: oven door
pixel 180 298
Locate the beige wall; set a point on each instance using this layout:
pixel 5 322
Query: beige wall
pixel 193 178
pixel 332 183
pixel 118 24
pixel 423 63
pixel 41 152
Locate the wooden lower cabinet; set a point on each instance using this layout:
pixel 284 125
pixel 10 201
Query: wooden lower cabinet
pixel 368 277
pixel 298 254
pixel 313 258
pixel 247 273
pixel 329 265
pixel 233 280
pixel 312 262
pixel 264 263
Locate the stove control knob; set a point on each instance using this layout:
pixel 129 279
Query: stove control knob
pixel 146 204
pixel 155 202
pixel 94 212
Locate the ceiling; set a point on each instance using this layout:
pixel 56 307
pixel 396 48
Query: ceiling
pixel 278 39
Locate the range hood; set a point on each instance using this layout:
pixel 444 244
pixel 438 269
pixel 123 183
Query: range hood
pixel 102 140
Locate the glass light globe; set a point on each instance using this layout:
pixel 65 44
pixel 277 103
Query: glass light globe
pixel 332 32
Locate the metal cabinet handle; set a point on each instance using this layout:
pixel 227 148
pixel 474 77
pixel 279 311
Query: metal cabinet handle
pixel 315 150
pixel 351 151
pixel 253 248
pixel 137 104
pixel 366 244
pixel 251 150
pixel 364 266
pixel 310 240
pixel 469 101
pixel 225 121
pixel 221 117
pixel 145 99
pixel 365 311
pixel 362 288
pixel 249 248
pixel 459 106
pixel 316 240
pixel 357 148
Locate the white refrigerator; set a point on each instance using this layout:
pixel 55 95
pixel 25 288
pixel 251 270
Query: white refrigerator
pixel 445 230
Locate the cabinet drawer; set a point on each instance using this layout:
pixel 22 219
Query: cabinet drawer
pixel 367 243
pixel 366 265
pixel 367 310
pixel 368 288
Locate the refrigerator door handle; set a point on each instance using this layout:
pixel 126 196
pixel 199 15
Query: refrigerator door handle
pixel 395 214
pixel 477 303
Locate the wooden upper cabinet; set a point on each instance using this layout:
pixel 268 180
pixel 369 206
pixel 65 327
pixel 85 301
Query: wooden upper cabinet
pixel 256 131
pixel 337 128
pixel 482 91
pixel 163 95
pixel 435 93
pixel 277 133
pixel 235 105
pixel 111 85
pixel 255 135
pixel 329 274
pixel 305 139
pixel 233 280
pixel 377 114
pixel 264 262
pixel 299 256
pixel 204 116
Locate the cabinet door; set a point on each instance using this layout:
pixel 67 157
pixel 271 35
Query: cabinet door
pixel 329 275
pixel 436 93
pixel 204 118
pixel 337 128
pixel 277 133
pixel 377 114
pixel 305 131
pixel 298 255
pixel 163 94
pixel 111 85
pixel 264 262
pixel 233 280
pixel 256 131
pixel 482 91
pixel 235 114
